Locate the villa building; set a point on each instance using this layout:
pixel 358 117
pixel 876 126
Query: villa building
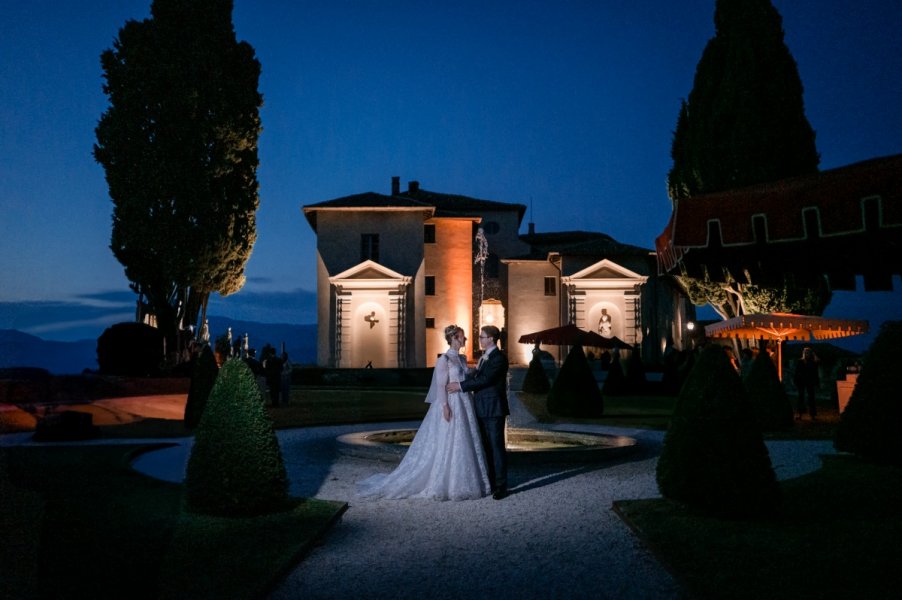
pixel 394 270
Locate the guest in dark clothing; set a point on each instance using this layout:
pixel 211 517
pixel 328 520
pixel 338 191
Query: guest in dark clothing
pixel 272 369
pixel 806 380
pixel 285 384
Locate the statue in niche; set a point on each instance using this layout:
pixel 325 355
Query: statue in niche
pixel 371 319
pixel 605 326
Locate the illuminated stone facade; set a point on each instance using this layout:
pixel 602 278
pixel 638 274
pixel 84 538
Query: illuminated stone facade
pixel 395 270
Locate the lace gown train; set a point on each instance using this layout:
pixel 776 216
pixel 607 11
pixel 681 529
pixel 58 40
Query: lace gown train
pixel 445 461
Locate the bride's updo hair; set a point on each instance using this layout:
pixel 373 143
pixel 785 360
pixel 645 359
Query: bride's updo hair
pixel 450 332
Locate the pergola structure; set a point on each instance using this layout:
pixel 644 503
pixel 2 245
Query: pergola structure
pixel 841 222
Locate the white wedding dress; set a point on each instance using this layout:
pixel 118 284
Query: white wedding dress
pixel 445 461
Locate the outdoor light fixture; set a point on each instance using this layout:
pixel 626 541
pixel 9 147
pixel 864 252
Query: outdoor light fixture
pixel 690 326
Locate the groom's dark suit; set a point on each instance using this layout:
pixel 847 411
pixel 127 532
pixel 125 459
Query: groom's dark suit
pixel 489 387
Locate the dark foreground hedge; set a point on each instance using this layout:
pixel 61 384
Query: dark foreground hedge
pixel 714 457
pixel 871 424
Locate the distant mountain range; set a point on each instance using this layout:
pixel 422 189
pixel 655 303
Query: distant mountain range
pixel 18 349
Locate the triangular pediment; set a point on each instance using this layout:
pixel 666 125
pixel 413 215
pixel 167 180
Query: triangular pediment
pixel 368 270
pixel 606 269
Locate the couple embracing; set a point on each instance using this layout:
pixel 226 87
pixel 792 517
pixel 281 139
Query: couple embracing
pixel 458 452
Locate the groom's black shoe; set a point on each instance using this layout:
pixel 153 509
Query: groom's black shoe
pixel 499 494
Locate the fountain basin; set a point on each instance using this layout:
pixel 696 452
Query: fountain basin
pixel 524 446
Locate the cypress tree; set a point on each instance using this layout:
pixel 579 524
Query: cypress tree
pixel 744 123
pixel 178 144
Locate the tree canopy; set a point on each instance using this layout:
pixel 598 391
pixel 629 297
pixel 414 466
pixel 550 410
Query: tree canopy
pixel 744 123
pixel 178 144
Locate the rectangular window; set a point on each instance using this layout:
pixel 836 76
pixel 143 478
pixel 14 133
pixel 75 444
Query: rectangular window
pixel 429 233
pixel 551 286
pixel 430 285
pixel 369 247
pixel 430 322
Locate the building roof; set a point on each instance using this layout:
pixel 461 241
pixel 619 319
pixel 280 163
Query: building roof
pixel 576 243
pixel 456 205
pixel 434 204
pixel 367 201
pixel 843 217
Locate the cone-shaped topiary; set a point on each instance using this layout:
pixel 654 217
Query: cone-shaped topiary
pixel 236 466
pixel 615 382
pixel 536 380
pixel 871 424
pixel 575 392
pixel 714 457
pixel 765 391
pixel 202 379
pixel 635 373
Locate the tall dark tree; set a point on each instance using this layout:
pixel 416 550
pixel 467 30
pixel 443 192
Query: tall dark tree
pixel 178 143
pixel 744 123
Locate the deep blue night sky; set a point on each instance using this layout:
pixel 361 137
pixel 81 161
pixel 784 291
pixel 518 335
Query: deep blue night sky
pixel 567 107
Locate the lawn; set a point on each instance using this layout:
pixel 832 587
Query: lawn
pixel 78 522
pixel 836 537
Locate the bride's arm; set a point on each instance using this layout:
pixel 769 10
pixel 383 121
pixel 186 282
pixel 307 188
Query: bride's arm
pixel 443 376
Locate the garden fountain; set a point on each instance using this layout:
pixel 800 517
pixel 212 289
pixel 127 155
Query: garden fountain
pixel 526 443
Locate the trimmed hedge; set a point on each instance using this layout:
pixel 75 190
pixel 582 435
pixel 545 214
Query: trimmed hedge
pixel 130 349
pixel 714 458
pixel 202 380
pixel 615 382
pixel 773 410
pixel 871 424
pixel 536 380
pixel 575 392
pixel 236 466
pixel 636 382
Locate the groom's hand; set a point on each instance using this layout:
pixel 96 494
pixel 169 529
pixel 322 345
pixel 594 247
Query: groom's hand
pixel 453 387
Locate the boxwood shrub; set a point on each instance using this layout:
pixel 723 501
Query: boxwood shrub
pixel 871 424
pixel 236 466
pixel 575 392
pixel 536 380
pixel 773 409
pixel 714 458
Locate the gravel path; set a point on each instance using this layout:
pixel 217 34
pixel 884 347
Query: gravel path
pixel 555 536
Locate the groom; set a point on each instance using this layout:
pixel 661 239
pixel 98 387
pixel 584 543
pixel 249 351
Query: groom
pixel 489 384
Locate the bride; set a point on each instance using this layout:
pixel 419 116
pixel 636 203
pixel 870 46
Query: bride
pixel 445 460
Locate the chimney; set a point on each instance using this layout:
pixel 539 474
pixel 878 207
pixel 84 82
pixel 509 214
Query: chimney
pixel 413 187
pixel 395 185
